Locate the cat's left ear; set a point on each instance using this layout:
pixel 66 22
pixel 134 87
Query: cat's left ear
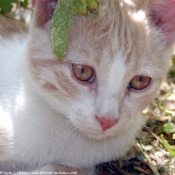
pixel 33 3
pixel 43 11
pixel 163 16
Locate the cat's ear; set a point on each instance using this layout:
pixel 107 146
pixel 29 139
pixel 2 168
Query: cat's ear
pixel 33 3
pixel 163 16
pixel 43 11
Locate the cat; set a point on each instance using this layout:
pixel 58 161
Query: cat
pixel 85 109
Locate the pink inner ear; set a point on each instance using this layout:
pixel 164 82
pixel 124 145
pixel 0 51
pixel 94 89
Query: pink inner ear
pixel 43 11
pixel 164 17
pixel 33 3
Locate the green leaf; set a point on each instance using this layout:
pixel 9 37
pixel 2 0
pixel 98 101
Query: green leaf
pixel 6 5
pixel 62 18
pixel 24 3
pixel 92 4
pixel 168 128
pixel 170 148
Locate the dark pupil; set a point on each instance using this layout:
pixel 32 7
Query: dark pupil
pixel 82 70
pixel 140 79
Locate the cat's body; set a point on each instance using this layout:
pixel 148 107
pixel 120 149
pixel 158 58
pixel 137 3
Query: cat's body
pixel 48 116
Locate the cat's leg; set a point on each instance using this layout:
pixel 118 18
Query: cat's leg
pixel 60 169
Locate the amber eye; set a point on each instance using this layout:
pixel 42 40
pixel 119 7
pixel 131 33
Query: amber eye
pixel 139 82
pixel 83 73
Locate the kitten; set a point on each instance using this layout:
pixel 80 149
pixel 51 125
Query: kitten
pixel 84 109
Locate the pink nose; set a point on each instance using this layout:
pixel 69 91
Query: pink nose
pixel 106 123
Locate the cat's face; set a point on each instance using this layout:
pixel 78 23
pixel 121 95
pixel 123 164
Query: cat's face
pixel 113 68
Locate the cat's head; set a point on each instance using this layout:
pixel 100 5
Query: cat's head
pixel 113 66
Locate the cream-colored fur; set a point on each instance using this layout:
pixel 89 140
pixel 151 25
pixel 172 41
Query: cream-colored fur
pixel 48 117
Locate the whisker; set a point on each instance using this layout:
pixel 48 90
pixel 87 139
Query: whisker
pixel 159 70
pixel 150 74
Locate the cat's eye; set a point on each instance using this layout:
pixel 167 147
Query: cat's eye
pixel 82 72
pixel 139 82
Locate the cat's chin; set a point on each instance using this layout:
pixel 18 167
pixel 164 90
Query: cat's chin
pixel 100 135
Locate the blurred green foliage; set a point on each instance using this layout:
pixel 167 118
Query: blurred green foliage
pixel 7 5
pixel 171 73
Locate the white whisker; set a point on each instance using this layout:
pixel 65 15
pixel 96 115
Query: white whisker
pixel 150 74
pixel 159 70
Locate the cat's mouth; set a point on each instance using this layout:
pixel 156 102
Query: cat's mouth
pixel 101 135
pixel 98 128
pixel 98 132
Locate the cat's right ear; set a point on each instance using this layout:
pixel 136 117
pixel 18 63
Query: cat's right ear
pixel 163 16
pixel 43 11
